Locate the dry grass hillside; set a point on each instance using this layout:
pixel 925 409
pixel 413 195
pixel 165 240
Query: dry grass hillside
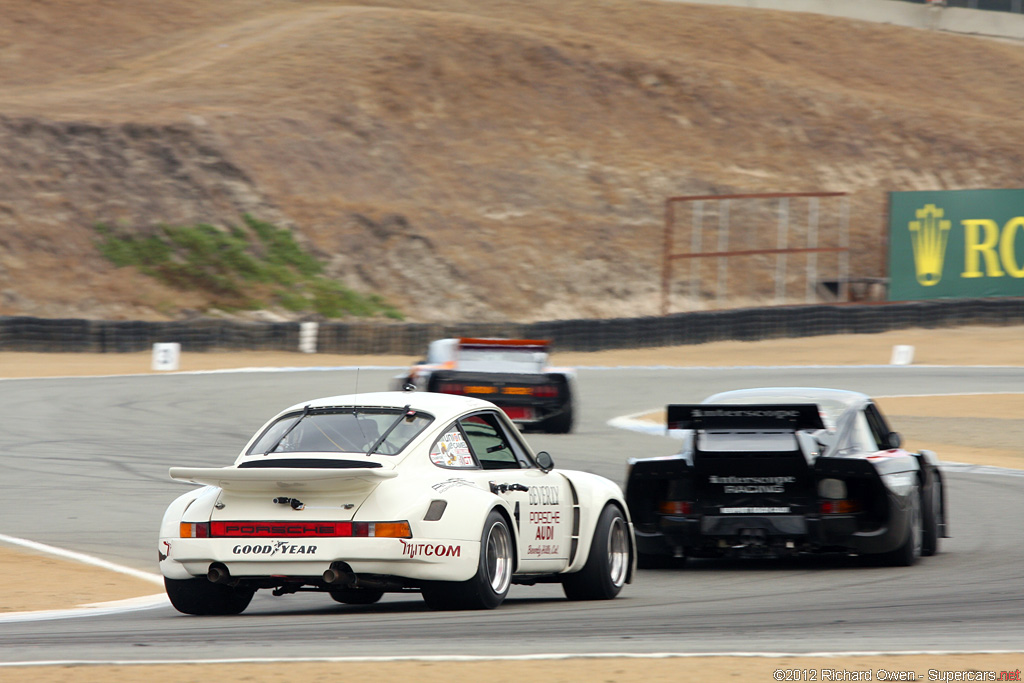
pixel 466 159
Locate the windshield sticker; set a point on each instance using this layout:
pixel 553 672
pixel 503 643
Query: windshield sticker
pixel 451 451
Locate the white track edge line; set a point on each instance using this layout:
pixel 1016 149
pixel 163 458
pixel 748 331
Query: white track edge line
pixel 81 557
pixel 515 658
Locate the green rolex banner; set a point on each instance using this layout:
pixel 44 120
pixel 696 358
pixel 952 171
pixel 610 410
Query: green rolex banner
pixel 956 244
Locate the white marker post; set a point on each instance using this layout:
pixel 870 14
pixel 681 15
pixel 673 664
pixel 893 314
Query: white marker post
pixel 166 356
pixel 902 355
pixel 307 336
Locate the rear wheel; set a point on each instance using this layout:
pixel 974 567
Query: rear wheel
pixel 356 596
pixel 201 597
pixel 561 423
pixel 488 588
pixel 607 567
pixel 908 553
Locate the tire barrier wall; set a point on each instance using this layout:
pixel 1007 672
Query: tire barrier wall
pixel 365 337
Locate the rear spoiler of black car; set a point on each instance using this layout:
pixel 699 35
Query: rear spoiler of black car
pixel 794 417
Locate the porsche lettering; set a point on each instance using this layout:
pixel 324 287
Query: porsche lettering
pixel 545 517
pixel 277 529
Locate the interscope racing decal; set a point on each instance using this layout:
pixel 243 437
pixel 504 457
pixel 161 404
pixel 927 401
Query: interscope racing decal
pixel 752 484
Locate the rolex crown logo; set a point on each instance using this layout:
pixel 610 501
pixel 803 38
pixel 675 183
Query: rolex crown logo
pixel 928 234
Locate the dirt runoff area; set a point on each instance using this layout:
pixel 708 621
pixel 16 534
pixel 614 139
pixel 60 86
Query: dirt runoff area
pixel 25 574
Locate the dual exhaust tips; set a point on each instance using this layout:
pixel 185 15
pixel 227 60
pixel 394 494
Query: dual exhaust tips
pixel 337 573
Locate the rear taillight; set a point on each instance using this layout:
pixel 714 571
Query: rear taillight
pixel 451 388
pixel 546 391
pixel 242 529
pixel 388 529
pixel 839 507
pixel 194 530
pixel 675 507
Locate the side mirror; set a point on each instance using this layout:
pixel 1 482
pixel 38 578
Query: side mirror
pixel 545 462
pixel 894 440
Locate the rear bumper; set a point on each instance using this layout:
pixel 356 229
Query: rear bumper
pixel 687 535
pixel 424 559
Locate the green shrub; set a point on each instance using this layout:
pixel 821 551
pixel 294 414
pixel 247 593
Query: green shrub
pixel 237 267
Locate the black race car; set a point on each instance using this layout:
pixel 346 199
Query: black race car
pixel 511 373
pixel 781 471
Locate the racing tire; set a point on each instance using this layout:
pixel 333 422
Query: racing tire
pixel 608 562
pixel 931 510
pixel 489 586
pixel 561 423
pixel 910 550
pixel 201 597
pixel 356 596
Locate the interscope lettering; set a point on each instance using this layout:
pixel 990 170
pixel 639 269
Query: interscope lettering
pixel 721 412
pixel 715 479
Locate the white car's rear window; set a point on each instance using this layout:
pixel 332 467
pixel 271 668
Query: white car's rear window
pixel 343 430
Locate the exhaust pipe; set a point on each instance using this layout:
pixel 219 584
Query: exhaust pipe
pixel 218 573
pixel 339 572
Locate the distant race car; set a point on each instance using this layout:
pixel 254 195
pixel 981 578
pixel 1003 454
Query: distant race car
pixel 778 471
pixel 356 496
pixel 511 373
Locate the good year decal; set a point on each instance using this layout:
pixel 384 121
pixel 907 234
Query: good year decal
pixel 272 549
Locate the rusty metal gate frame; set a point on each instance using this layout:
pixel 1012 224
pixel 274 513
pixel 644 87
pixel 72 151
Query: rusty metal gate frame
pixel 781 251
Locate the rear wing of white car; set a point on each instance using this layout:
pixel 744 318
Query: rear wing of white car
pixel 283 479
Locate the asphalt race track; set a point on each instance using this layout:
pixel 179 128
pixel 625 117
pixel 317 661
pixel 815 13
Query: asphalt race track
pixel 84 463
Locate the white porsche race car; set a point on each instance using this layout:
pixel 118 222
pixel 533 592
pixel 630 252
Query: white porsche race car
pixel 360 495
